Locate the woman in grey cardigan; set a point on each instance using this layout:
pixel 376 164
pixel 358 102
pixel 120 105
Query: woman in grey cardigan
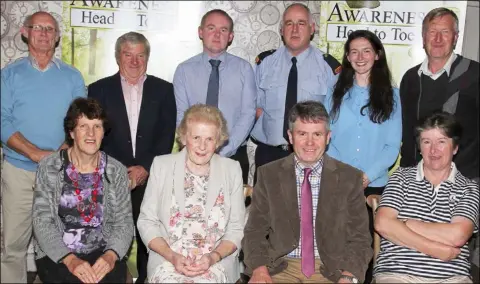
pixel 82 216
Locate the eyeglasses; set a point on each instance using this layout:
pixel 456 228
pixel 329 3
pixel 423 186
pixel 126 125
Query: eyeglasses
pixel 40 28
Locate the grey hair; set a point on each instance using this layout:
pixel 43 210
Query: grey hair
pixel 311 111
pixel 436 13
pixel 132 38
pixel 29 19
pixel 310 16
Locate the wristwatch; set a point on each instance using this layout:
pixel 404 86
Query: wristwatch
pixel 349 278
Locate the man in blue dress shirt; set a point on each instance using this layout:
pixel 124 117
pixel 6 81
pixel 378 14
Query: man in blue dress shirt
pixel 314 73
pixel 226 78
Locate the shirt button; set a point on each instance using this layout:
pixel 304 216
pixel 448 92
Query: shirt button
pixel 358 150
pixel 359 124
pixel 359 136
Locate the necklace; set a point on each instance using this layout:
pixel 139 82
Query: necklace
pixel 81 207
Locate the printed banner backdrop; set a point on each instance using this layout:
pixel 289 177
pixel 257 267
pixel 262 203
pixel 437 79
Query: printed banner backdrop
pixel 397 23
pixel 92 27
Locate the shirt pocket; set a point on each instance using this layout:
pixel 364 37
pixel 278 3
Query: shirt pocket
pixel 313 88
pixel 274 99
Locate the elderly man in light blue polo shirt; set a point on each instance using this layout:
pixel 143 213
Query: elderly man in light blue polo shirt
pixel 35 94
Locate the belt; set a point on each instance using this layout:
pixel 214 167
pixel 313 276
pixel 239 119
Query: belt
pixel 284 147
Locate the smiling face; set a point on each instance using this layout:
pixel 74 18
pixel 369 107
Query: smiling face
pixel 41 40
pixel 201 140
pixel 440 37
pixel 87 135
pixel 216 33
pixel 309 140
pixel 362 56
pixel 297 29
pixel 437 149
pixel 132 61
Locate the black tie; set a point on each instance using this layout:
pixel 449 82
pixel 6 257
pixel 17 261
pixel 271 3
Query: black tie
pixel 213 84
pixel 291 98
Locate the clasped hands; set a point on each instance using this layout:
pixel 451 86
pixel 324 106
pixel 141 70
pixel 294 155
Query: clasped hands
pixel 87 273
pixel 191 266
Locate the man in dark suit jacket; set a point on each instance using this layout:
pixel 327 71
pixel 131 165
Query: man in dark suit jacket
pixel 327 207
pixel 142 113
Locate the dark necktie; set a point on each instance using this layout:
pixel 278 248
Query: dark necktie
pixel 306 226
pixel 213 84
pixel 291 97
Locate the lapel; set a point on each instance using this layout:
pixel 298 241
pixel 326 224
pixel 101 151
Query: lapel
pixel 328 191
pixel 147 92
pixel 288 187
pixel 118 104
pixel 215 181
pixel 179 179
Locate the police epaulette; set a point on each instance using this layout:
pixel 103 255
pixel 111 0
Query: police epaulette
pixel 262 55
pixel 333 63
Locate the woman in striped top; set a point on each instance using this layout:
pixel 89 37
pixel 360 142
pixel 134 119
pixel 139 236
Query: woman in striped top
pixel 428 213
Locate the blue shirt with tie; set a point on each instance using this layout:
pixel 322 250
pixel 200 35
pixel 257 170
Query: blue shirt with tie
pixel 315 77
pixel 236 97
pixel 357 141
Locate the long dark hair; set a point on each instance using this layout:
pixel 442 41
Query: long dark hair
pixel 380 104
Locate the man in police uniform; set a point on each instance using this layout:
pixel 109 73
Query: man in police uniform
pixel 295 72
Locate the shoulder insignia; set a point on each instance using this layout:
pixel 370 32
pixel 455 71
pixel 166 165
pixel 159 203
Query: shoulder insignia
pixel 262 56
pixel 333 63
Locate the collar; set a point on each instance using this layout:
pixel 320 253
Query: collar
pixel 421 175
pixel 448 65
pixel 140 81
pixel 316 168
pixel 222 57
pixel 53 61
pixel 301 57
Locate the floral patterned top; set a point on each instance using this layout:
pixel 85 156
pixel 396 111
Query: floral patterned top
pixel 79 235
pixel 195 232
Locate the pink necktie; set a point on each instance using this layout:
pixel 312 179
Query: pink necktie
pixel 306 226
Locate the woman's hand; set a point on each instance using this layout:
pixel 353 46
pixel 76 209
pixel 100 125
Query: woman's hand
pixel 202 265
pixel 80 268
pixel 104 264
pixel 181 263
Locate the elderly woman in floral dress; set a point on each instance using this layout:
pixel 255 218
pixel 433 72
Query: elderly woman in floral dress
pixel 193 211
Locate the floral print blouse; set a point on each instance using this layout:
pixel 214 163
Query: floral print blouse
pixel 80 236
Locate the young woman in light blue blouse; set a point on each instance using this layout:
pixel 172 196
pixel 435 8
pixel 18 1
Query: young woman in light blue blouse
pixel 365 111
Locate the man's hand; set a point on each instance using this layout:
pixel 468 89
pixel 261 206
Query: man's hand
pixel 104 264
pixel 137 174
pixel 365 181
pixel 260 275
pixel 80 268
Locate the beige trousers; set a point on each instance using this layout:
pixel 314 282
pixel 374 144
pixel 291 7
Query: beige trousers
pixel 17 200
pixel 405 278
pixel 293 273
